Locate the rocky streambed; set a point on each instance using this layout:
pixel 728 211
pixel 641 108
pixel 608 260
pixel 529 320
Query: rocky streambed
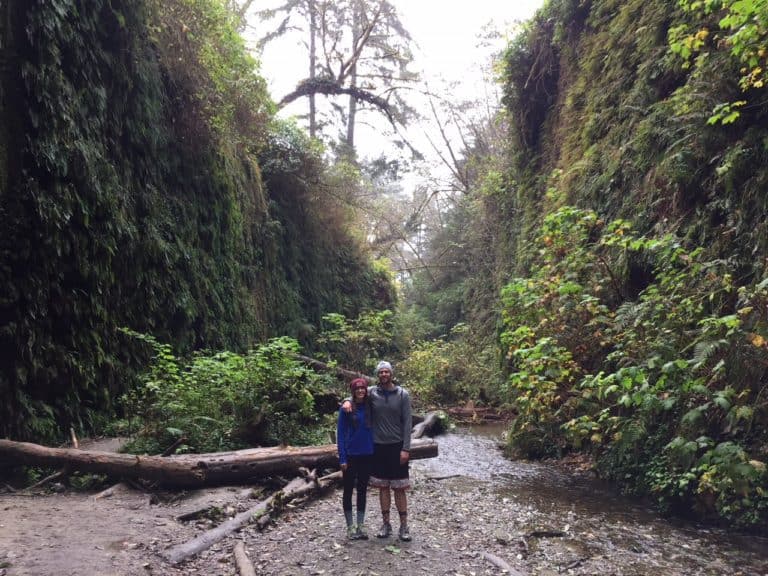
pixel 472 512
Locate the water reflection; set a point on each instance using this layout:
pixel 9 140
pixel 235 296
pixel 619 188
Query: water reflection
pixel 629 537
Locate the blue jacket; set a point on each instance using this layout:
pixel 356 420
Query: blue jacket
pixel 353 437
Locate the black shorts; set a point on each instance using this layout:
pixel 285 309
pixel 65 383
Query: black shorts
pixel 386 471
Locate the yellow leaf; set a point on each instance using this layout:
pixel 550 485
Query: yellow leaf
pixel 757 340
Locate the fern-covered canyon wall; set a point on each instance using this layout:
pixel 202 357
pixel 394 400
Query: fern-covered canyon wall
pixel 625 246
pixel 605 116
pixel 146 185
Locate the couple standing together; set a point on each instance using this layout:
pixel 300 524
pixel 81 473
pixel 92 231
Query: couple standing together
pixel 374 441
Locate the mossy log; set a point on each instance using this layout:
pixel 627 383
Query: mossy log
pixel 190 470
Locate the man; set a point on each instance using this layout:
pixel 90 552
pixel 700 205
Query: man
pixel 391 415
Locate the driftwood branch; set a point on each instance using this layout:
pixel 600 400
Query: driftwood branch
pixel 296 488
pixel 47 479
pixel 546 534
pixel 109 492
pixel 73 437
pixel 172 448
pixel 500 564
pixel 244 566
pixel 446 477
pixel 575 564
pixel 476 413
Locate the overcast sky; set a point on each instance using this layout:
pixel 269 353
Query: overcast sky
pixel 446 32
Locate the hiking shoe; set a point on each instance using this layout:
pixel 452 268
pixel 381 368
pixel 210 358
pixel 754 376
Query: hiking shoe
pixel 351 533
pixel 404 534
pixel 360 534
pixel 385 531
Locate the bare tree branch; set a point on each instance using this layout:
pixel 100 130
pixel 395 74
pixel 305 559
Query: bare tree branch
pixel 330 87
pixel 347 66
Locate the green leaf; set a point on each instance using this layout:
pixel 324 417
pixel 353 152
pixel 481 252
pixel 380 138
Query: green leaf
pixel 722 402
pixel 693 416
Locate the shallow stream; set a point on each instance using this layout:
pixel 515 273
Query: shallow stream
pixel 587 517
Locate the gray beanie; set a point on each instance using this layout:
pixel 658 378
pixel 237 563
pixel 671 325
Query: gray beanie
pixel 383 365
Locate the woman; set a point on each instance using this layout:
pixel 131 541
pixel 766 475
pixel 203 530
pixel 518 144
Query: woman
pixel 354 439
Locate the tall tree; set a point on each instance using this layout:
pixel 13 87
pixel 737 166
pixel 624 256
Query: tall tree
pixel 358 49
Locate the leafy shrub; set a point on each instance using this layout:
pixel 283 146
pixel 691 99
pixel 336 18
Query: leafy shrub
pixel 553 325
pixel 446 372
pixel 358 343
pixel 739 27
pixel 224 400
pixel 675 406
pixel 719 478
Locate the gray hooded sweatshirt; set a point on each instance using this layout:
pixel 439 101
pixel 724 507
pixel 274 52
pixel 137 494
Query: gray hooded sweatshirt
pixel 391 415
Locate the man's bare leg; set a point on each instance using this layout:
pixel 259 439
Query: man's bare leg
pixel 385 501
pixel 401 503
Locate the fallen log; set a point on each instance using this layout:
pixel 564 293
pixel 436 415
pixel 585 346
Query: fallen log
pixel 191 470
pixel 340 372
pixel 476 414
pixel 63 473
pixel 109 492
pixel 432 423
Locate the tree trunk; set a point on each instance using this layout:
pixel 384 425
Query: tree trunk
pixel 190 470
pixel 353 83
pixel 312 65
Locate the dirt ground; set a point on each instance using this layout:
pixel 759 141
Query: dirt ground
pixel 462 524
pixel 71 533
